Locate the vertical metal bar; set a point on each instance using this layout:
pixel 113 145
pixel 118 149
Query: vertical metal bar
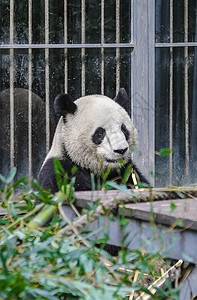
pixel 132 21
pixel 102 49
pixel 65 50
pixel 186 91
pixel 171 92
pixel 83 49
pixel 151 89
pixel 132 62
pixel 47 75
pixel 117 49
pixel 11 85
pixel 30 94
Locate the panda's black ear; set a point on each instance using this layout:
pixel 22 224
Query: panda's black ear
pixel 64 105
pixel 122 99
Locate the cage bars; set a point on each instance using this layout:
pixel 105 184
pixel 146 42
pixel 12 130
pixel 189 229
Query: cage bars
pixel 83 49
pixel 65 50
pixel 186 102
pixel 117 49
pixel 171 95
pixel 47 75
pixel 11 85
pixel 46 46
pixel 102 49
pixel 186 91
pixel 67 46
pixel 30 93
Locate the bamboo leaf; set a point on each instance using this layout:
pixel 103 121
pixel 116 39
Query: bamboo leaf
pixel 11 175
pixel 121 188
pixel 164 152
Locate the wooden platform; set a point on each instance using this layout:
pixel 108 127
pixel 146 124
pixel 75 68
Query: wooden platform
pixel 176 219
pixel 167 226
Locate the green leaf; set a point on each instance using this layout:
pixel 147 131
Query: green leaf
pixel 127 173
pixel 44 293
pixel 186 257
pixel 58 172
pixel 165 152
pixel 2 221
pixel 11 175
pixel 93 181
pixel 106 174
pixel 3 179
pixel 179 223
pixel 173 206
pixel 74 170
pixel 19 181
pixel 121 188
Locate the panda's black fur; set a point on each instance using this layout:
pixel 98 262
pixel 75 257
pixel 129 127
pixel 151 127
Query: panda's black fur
pixel 47 178
pixel 67 109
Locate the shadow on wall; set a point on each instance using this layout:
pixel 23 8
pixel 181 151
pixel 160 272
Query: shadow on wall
pixel 21 132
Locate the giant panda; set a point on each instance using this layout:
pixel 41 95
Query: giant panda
pixel 94 133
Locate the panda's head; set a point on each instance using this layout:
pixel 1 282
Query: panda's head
pixel 94 130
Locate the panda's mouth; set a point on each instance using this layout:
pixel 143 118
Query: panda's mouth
pixel 113 161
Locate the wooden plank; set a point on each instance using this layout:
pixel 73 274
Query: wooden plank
pixel 185 211
pixel 132 195
pixel 142 85
pixel 154 238
pixel 189 286
pixel 150 238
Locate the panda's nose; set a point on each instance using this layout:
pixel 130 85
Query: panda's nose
pixel 121 151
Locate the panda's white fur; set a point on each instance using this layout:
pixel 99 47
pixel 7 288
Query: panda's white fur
pixel 93 133
pixel 75 134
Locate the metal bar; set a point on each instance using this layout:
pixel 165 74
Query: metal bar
pixel 102 49
pixel 83 49
pixel 187 158
pixel 11 85
pixel 47 75
pixel 68 46
pixel 183 44
pixel 151 89
pixel 117 49
pixel 76 46
pixel 65 50
pixel 132 21
pixel 30 94
pixel 132 65
pixel 171 93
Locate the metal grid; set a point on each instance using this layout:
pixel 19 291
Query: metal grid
pixel 171 45
pixel 142 80
pixel 46 47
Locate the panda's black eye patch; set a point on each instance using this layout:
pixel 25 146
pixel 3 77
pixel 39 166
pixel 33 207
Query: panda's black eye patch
pixel 98 135
pixel 125 131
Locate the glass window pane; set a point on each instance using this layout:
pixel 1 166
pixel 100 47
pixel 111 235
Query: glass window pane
pixel 183 88
pixel 183 16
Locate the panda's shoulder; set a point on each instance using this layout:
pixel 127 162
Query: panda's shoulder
pixel 47 178
pixel 48 167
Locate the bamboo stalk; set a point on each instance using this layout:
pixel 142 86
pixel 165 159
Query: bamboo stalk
pixel 34 211
pixel 42 217
pixel 47 212
pixel 160 281
pixel 134 280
